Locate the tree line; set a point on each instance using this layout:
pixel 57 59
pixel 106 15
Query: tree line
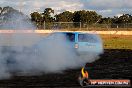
pixel 83 16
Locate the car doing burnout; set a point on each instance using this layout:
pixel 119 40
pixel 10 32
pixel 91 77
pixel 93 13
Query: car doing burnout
pixel 85 42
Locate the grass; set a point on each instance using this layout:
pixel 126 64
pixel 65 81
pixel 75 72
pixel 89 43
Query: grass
pixel 117 41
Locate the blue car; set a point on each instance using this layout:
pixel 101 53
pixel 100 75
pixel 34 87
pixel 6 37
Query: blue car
pixel 85 42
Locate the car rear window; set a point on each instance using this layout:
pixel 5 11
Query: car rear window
pixel 70 37
pixel 87 38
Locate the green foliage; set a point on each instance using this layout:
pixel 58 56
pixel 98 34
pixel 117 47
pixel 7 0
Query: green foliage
pixel 64 17
pixel 87 18
pixel 35 16
pixel 43 17
pixel 47 15
pixel 125 18
pixel 84 16
pixel 105 20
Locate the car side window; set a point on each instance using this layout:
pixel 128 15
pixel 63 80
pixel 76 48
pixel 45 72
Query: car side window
pixel 86 38
pixel 70 37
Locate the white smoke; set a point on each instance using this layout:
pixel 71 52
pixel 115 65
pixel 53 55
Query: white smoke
pixel 34 54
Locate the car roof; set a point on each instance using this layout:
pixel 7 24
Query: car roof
pixel 76 33
pixel 71 32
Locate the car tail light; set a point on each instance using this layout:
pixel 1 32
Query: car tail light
pixel 76 46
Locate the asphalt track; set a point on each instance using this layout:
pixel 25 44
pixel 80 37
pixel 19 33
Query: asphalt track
pixel 113 64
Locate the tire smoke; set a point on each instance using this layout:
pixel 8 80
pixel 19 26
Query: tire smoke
pixel 32 54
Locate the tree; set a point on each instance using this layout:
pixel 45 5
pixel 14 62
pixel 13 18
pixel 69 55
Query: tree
pixel 106 20
pixel 47 15
pixel 64 17
pixel 48 11
pixel 11 18
pixel 125 18
pixel 87 17
pixel 36 17
pixel 6 13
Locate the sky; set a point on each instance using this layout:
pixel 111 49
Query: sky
pixel 106 8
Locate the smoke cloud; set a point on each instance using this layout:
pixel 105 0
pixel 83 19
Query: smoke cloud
pixel 32 54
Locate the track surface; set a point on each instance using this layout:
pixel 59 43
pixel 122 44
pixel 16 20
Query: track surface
pixel 113 64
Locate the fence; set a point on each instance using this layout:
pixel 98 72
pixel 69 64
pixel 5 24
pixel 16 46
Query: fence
pixel 59 25
pixel 73 26
pixel 83 26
